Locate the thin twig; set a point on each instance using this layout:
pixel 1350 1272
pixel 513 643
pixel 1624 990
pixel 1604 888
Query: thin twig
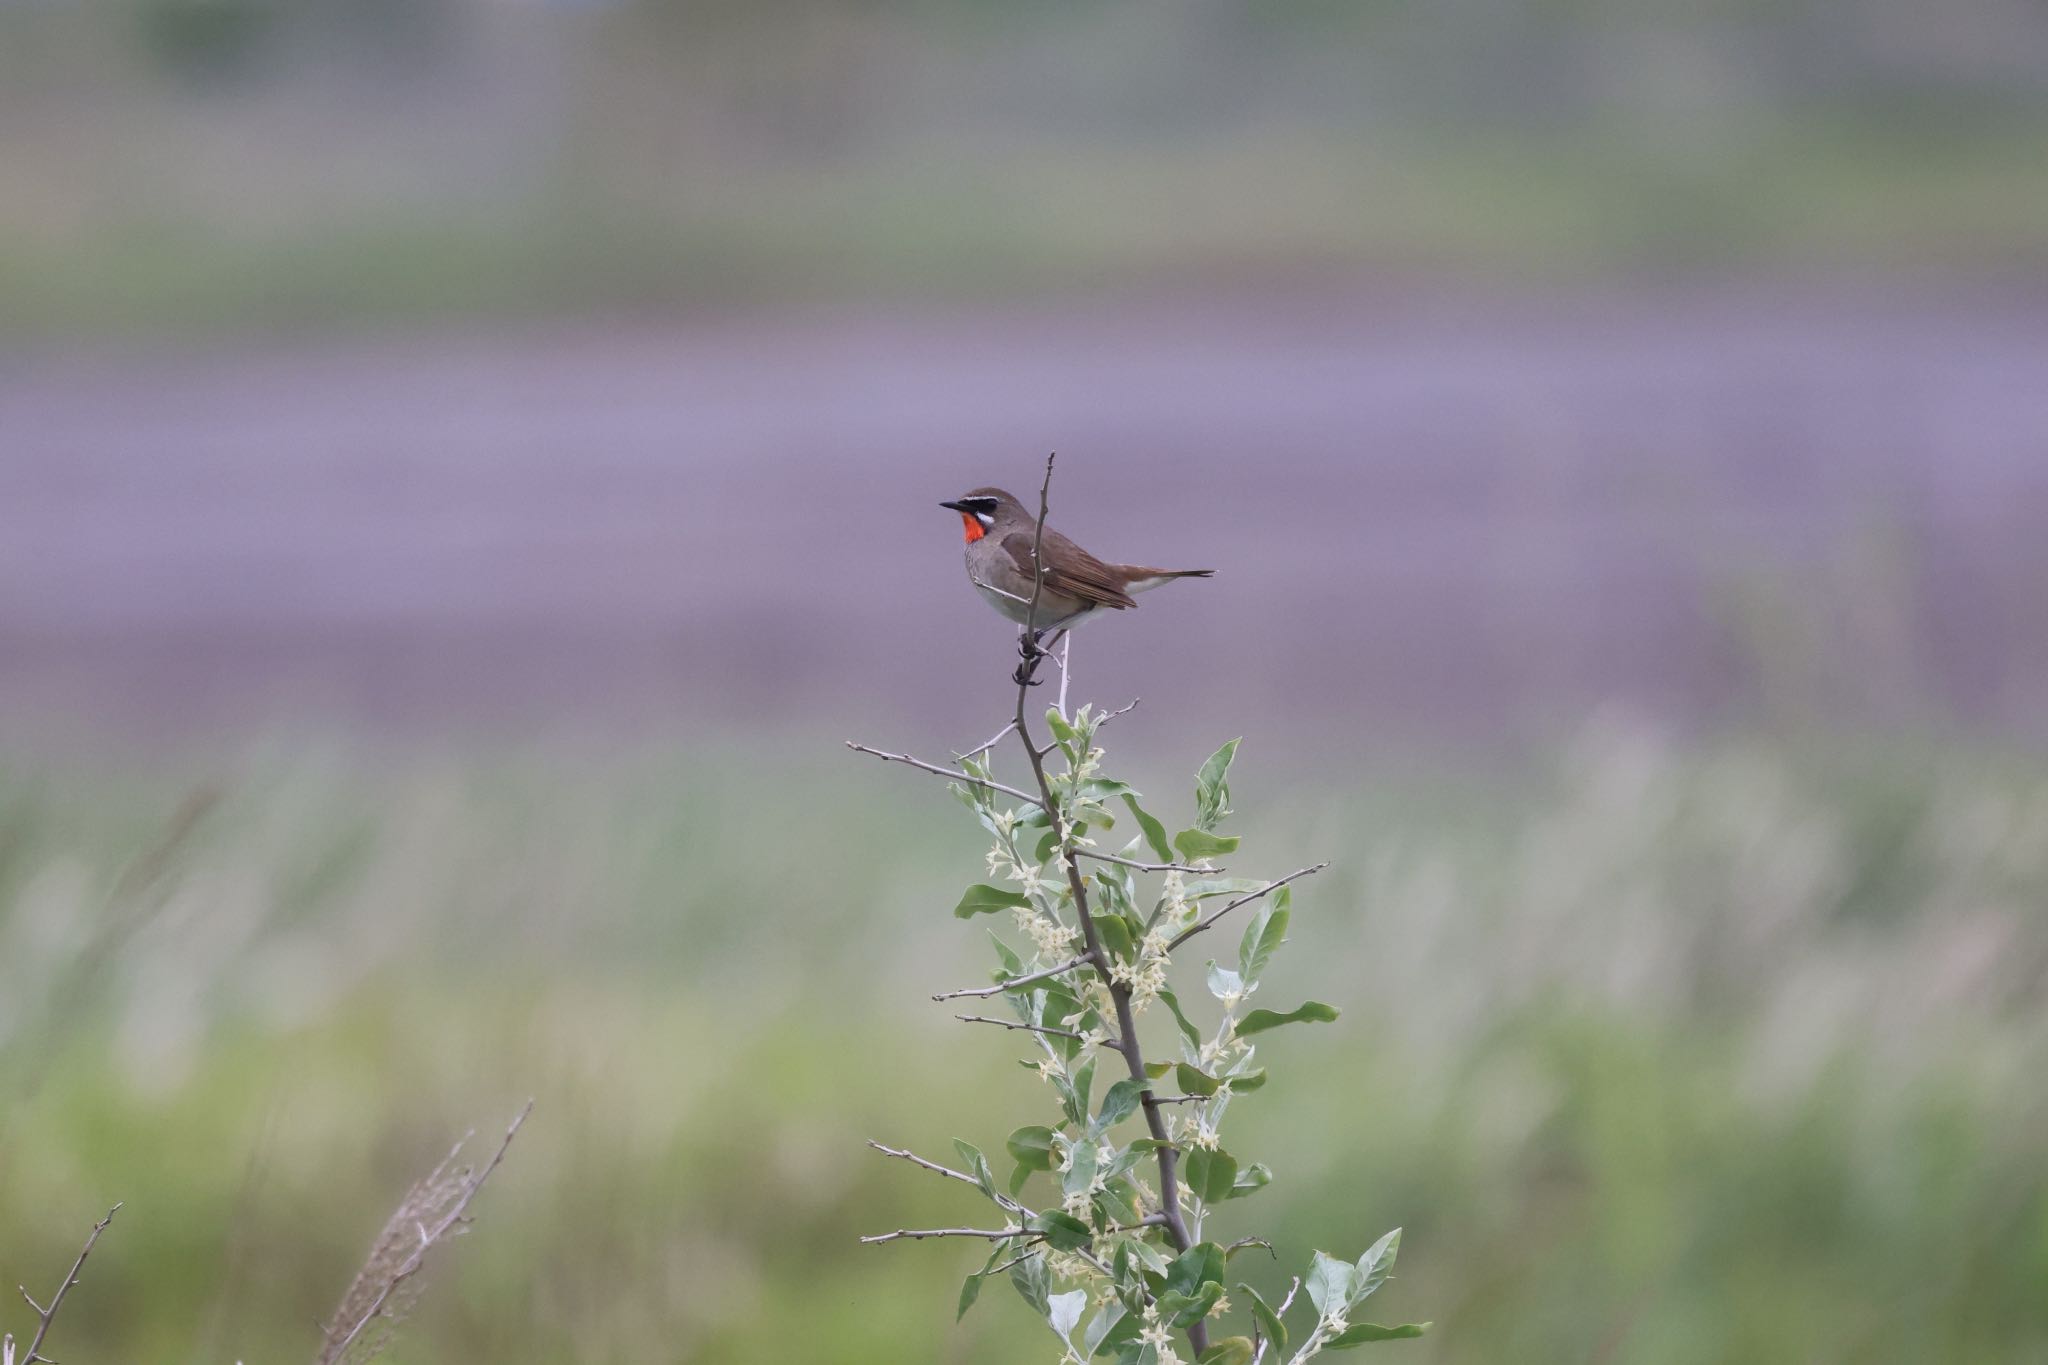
pixel 45 1316
pixel 938 770
pixel 978 750
pixel 1109 716
pixel 1268 889
pixel 920 1234
pixel 1026 1028
pixel 1016 981
pixel 1134 864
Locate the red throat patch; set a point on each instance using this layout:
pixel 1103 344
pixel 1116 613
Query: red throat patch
pixel 971 524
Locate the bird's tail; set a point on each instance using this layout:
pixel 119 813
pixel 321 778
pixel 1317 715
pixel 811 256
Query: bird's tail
pixel 1141 578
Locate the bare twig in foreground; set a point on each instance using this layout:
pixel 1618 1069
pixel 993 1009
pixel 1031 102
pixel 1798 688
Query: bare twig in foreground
pixel 1011 983
pixel 47 1315
pixel 432 1211
pixel 939 770
pixel 1209 921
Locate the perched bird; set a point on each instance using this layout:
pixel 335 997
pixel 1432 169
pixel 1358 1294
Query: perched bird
pixel 1000 532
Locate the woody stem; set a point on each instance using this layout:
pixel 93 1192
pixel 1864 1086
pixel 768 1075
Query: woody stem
pixel 1126 1041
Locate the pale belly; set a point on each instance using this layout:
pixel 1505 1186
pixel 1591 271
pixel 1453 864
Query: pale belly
pixel 1054 612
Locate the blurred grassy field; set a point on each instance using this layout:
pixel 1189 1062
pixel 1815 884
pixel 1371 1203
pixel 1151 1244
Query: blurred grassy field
pixel 1714 1052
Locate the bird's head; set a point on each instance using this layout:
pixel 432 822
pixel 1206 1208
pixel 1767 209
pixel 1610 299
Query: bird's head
pixel 982 510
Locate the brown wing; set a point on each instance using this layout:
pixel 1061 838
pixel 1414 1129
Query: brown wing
pixel 1069 570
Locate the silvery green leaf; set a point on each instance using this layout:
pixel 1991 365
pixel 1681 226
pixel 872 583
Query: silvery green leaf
pixel 1229 1351
pixel 1212 788
pixel 1200 843
pixel 1329 1283
pixel 1118 1104
pixel 1033 1281
pixel 1224 983
pixel 1012 964
pixel 1080 1172
pixel 1262 937
pixel 1065 1311
pixel 977 1166
pixel 1377 1264
pixel 1108 1327
pixel 1258 1021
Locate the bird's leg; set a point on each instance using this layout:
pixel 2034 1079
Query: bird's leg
pixel 1029 652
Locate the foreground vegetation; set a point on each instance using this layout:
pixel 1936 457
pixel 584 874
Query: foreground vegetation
pixel 1701 1055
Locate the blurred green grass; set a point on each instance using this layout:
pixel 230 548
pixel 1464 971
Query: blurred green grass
pixel 1814 198
pixel 1660 1052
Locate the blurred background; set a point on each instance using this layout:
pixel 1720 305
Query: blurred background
pixel 465 466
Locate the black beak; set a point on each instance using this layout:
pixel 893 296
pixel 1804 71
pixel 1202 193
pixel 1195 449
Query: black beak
pixel 955 506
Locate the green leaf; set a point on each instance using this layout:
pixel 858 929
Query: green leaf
pixel 977 1166
pixel 1258 1021
pixel 1251 1180
pixel 1200 1264
pixel 1269 1322
pixel 1155 833
pixel 1182 1310
pixel 1244 1082
pixel 1080 1172
pixel 1329 1283
pixel 1377 1264
pixel 1262 937
pixel 1063 732
pixel 1212 790
pixel 1032 1147
pixel 1110 1326
pixel 1033 1281
pixel 1195 1082
pixel 1116 936
pixel 1246 1244
pixel 1187 1028
pixel 1065 1311
pixel 1063 1231
pixel 1211 1174
pixel 1020 1176
pixel 1120 1103
pixel 1048 842
pixel 970 1290
pixel 982 899
pixel 1197 843
pixel 1157 1070
pixel 1229 1351
pixel 1012 964
pixel 1361 1332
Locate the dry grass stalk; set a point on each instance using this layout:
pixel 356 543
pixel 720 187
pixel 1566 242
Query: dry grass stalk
pixel 387 1286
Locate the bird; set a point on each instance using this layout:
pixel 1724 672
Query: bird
pixel 1077 586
